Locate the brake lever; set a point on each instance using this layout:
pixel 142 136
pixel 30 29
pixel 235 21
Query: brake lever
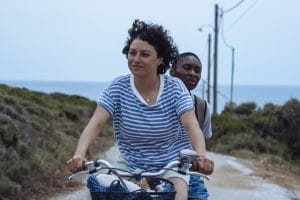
pixel 80 173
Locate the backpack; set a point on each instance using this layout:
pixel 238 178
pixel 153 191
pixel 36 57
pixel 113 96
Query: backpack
pixel 200 110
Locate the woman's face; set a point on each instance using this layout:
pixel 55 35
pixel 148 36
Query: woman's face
pixel 142 58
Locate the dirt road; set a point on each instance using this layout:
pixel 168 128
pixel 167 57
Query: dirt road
pixel 231 180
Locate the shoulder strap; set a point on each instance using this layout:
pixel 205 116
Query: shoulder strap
pixel 200 110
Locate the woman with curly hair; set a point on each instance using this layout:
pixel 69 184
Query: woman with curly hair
pixel 148 109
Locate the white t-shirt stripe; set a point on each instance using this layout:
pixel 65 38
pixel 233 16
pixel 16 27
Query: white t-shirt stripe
pixel 148 137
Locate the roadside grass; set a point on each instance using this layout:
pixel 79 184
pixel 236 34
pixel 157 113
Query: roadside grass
pixel 38 134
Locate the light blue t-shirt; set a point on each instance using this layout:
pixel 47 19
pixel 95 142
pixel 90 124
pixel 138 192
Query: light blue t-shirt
pixel 147 136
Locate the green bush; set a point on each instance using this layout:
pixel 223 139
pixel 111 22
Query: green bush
pixel 274 130
pixel 38 133
pixel 243 109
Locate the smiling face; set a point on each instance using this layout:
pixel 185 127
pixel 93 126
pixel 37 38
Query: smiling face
pixel 188 69
pixel 142 58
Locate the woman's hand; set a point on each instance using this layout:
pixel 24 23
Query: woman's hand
pixel 203 165
pixel 76 164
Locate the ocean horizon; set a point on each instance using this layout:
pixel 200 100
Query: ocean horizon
pixel 259 94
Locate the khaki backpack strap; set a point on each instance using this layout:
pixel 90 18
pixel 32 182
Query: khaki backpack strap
pixel 200 110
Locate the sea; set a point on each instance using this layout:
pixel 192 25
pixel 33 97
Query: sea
pixel 259 94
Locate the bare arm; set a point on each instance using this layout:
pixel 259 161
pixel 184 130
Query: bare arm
pixel 194 132
pixel 191 125
pixel 87 137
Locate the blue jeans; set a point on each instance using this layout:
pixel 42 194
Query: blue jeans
pixel 197 189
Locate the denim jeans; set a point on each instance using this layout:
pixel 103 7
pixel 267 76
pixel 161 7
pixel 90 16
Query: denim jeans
pixel 197 189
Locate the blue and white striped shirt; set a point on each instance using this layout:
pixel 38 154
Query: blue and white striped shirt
pixel 147 136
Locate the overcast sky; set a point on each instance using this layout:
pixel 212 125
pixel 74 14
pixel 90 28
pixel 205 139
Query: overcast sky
pixel 72 40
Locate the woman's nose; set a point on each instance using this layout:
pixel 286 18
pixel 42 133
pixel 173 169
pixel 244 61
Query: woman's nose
pixel 136 58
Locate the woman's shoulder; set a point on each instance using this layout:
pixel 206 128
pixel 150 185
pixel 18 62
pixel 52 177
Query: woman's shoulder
pixel 120 80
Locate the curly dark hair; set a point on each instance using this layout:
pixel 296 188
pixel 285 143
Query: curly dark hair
pixel 156 36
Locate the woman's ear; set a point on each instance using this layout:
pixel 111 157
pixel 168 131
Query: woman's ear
pixel 160 61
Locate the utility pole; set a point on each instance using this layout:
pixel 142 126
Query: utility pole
pixel 232 73
pixel 216 59
pixel 208 68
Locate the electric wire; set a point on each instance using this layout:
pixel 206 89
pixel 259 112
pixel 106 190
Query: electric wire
pixel 218 91
pixel 222 34
pixel 205 82
pixel 233 7
pixel 242 15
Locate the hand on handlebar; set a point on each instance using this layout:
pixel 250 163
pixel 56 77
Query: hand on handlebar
pixel 203 165
pixel 76 164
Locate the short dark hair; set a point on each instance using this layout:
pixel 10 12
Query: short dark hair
pixel 156 36
pixel 186 54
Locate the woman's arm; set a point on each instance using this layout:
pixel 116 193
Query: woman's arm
pixel 191 125
pixel 87 137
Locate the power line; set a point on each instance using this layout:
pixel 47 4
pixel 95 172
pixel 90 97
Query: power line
pixel 218 91
pixel 217 27
pixel 222 34
pixel 232 58
pixel 242 15
pixel 233 7
pixel 228 10
pixel 230 46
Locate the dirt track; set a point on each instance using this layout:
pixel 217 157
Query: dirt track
pixel 233 180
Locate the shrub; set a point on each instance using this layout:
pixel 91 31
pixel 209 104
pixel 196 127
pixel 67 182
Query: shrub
pixel 243 109
pixel 38 133
pixel 274 129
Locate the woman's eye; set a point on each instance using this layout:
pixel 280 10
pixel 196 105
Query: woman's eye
pixel 144 55
pixel 131 53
